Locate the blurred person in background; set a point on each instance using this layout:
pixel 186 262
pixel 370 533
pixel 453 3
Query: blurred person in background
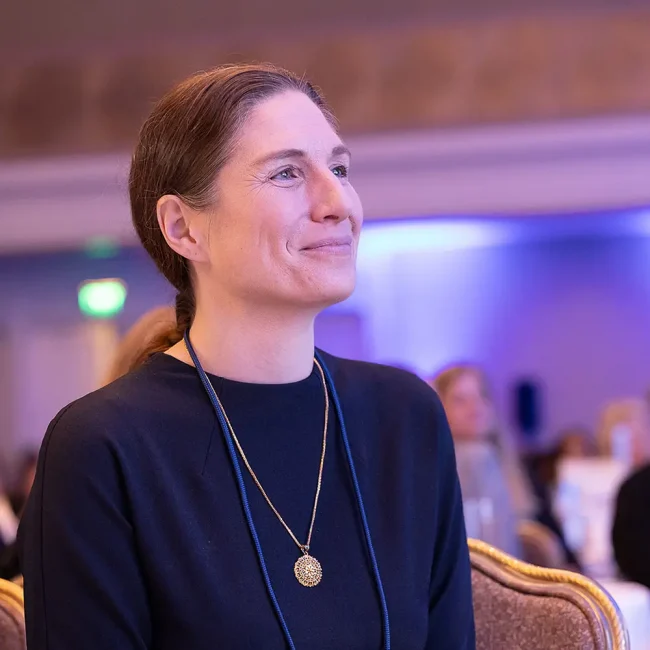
pixel 9 556
pixel 8 519
pixel 624 431
pixel 571 442
pixel 165 504
pixel 491 474
pixel 631 528
pixel 543 467
pixel 24 480
pixel 575 442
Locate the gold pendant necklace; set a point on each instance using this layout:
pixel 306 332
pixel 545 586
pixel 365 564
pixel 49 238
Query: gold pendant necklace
pixel 307 568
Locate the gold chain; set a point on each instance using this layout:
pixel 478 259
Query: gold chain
pixel 303 547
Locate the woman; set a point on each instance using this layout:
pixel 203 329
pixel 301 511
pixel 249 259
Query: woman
pixel 489 470
pixel 238 491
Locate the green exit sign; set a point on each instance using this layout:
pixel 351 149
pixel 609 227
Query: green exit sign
pixel 102 298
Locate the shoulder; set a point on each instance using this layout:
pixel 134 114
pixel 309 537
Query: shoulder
pixel 117 415
pixel 397 425
pixel 385 387
pixel 124 397
pixel 376 380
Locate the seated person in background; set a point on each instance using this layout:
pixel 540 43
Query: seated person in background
pixel 631 529
pixel 489 469
pixel 9 562
pixel 543 470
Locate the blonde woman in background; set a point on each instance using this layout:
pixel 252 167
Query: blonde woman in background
pixel 624 431
pixel 489 469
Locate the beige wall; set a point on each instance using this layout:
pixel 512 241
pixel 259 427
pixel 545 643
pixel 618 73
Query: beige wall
pixel 48 366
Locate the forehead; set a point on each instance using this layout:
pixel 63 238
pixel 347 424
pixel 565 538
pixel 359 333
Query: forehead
pixel 289 120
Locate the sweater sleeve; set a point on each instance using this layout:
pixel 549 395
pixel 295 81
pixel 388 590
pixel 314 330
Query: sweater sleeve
pixel 83 584
pixel 450 604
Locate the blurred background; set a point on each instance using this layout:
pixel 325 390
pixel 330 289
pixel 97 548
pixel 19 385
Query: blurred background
pixel 501 148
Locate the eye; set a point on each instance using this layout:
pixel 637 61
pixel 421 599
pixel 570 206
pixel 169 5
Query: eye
pixel 341 171
pixel 286 174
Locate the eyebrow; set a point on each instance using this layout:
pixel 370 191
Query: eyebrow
pixel 283 154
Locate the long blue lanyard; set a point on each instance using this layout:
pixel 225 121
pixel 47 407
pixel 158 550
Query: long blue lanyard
pixel 245 503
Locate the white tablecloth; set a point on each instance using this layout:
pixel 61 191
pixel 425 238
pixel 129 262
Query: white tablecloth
pixel 634 602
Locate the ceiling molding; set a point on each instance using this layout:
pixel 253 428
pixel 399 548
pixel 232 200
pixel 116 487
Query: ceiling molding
pixel 522 68
pixel 539 169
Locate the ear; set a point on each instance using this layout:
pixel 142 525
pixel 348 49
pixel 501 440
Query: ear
pixel 182 227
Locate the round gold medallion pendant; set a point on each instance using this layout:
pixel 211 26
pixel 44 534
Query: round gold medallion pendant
pixel 308 571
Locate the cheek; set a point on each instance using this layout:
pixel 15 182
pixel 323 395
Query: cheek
pixel 261 229
pixel 356 211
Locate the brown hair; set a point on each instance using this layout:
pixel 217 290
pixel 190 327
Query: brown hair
pixel 446 378
pixel 146 336
pixel 183 145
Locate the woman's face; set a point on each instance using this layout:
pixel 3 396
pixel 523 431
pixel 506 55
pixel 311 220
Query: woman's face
pixel 469 410
pixel 286 222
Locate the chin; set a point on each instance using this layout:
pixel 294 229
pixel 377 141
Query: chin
pixel 332 292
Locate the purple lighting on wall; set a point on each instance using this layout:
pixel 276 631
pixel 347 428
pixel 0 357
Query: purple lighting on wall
pixel 381 239
pixel 393 238
pixel 565 299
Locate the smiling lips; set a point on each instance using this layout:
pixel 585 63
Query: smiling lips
pixel 331 246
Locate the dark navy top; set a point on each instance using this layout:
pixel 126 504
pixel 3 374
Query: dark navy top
pixel 134 536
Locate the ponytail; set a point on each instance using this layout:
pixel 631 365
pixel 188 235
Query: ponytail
pixel 156 331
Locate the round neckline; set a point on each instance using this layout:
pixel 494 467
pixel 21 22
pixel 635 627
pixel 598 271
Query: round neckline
pixel 174 362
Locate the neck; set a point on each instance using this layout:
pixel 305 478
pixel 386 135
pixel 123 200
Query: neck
pixel 252 345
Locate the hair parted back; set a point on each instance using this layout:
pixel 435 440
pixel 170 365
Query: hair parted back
pixel 183 144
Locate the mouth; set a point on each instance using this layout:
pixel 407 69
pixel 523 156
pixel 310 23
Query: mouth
pixel 330 246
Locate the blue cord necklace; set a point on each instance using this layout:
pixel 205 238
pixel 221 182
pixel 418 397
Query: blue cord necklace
pixel 230 443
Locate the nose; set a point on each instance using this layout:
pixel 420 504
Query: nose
pixel 329 199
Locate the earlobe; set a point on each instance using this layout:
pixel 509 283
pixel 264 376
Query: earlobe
pixel 176 221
